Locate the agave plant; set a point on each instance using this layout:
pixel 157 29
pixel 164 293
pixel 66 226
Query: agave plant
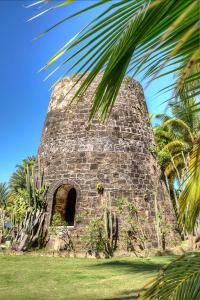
pixel 32 229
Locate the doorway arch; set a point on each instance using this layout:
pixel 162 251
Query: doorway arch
pixel 64 204
pixel 70 208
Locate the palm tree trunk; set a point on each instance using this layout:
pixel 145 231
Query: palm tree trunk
pixel 167 184
pixel 176 169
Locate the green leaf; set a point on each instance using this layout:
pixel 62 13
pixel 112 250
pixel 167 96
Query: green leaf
pixel 180 280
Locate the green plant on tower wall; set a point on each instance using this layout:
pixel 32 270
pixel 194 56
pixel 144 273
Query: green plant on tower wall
pixel 101 234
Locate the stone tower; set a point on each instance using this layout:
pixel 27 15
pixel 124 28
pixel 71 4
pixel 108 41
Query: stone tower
pixel 77 156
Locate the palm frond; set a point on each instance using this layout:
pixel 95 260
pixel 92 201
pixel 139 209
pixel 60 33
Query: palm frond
pixel 180 280
pixel 190 196
pixel 175 146
pixel 160 132
pixel 184 108
pixel 170 167
pixel 178 123
pixel 162 117
pixel 131 37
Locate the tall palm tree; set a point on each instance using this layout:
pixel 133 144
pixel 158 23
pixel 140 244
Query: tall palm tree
pixel 177 135
pixel 18 178
pixel 178 139
pixel 170 152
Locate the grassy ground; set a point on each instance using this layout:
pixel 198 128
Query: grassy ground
pixel 50 278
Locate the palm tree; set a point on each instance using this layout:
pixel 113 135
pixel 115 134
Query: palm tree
pixel 18 178
pixel 169 152
pixel 178 139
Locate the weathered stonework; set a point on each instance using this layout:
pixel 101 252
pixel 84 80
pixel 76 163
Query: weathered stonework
pixel 117 154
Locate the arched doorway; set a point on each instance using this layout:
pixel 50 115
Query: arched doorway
pixel 64 204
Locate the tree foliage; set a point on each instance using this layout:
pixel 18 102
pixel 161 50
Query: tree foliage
pixel 17 180
pixel 178 140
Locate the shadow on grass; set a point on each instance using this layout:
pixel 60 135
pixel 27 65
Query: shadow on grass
pixel 129 295
pixel 137 267
pixel 130 266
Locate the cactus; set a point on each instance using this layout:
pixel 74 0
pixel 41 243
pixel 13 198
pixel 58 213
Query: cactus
pixel 102 231
pixel 32 230
pixel 35 187
pixel 111 228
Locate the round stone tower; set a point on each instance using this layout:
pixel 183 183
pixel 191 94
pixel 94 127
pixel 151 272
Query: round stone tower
pixel 78 157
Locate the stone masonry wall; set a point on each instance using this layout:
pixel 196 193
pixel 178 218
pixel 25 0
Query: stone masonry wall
pixel 116 154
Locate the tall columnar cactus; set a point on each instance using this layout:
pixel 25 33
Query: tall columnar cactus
pixel 36 188
pixel 3 201
pixel 111 228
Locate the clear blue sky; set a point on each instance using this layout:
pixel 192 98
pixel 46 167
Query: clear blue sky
pixel 24 96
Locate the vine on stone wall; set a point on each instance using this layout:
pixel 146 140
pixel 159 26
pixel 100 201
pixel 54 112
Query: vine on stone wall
pixel 132 235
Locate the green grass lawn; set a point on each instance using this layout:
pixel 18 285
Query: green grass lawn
pixel 54 278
